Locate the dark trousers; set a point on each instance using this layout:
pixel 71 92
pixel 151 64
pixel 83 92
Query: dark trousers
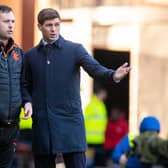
pixel 99 155
pixel 7 145
pixel 71 160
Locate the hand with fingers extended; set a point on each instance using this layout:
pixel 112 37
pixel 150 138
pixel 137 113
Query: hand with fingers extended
pixel 27 111
pixel 121 72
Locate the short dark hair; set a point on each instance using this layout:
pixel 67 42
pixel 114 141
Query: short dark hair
pixel 47 14
pixel 98 87
pixel 5 9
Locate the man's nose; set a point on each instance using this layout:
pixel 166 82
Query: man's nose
pixel 53 28
pixel 11 24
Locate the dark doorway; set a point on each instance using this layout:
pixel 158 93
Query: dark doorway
pixel 118 94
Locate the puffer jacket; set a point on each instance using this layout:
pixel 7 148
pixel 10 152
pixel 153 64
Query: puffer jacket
pixel 151 148
pixel 11 61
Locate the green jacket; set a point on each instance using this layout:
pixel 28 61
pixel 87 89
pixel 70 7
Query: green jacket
pixel 151 148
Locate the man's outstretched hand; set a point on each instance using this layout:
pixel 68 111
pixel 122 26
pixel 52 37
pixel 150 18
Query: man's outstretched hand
pixel 121 72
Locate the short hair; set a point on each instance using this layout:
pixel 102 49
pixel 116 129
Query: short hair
pixel 5 9
pixel 47 14
pixel 98 87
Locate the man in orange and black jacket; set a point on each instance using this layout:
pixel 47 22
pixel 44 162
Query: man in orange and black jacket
pixel 11 57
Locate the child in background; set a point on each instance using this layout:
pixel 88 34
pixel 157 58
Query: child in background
pixel 145 150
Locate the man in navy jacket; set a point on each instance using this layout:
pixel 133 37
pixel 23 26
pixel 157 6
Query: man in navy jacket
pixel 52 86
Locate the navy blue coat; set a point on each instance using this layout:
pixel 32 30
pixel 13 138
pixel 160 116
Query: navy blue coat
pixel 52 84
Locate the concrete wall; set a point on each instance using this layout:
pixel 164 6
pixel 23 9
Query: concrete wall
pixel 153 73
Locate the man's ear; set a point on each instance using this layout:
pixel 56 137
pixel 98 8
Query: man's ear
pixel 39 26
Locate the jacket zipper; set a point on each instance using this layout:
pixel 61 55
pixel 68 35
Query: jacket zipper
pixel 9 75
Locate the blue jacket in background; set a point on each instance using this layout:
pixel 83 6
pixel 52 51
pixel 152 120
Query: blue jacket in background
pixel 124 147
pixel 148 124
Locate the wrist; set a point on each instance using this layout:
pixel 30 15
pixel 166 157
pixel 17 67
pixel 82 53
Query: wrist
pixel 27 104
pixel 114 79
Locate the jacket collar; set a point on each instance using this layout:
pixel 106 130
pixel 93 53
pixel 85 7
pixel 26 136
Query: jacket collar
pixel 6 49
pixel 58 43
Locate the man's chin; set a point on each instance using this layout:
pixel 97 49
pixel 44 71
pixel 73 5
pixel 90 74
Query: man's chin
pixel 5 38
pixel 53 38
pixel 8 37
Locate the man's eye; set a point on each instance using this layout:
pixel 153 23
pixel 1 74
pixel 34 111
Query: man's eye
pixel 7 21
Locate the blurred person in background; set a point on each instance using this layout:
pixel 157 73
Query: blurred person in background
pixel 52 86
pixel 145 150
pixel 117 128
pixel 95 115
pixel 11 58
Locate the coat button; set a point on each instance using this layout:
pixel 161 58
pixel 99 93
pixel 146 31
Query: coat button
pixel 48 62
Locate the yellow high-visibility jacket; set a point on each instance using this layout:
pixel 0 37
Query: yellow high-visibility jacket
pixel 95 116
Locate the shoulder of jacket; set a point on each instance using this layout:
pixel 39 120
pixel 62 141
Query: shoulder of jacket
pixel 31 50
pixel 16 45
pixel 72 43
